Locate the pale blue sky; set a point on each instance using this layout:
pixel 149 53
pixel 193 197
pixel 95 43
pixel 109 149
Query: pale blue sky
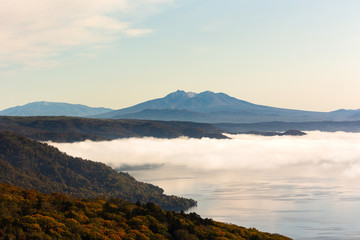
pixel 302 54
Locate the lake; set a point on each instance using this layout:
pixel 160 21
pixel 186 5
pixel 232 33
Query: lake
pixel 303 187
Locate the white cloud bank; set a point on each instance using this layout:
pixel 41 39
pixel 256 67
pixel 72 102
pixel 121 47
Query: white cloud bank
pixel 31 32
pixel 334 153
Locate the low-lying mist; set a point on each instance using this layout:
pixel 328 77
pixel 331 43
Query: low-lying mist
pixel 338 153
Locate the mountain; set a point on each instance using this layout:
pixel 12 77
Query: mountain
pixel 30 164
pixel 72 129
pixel 204 102
pixel 210 107
pixel 52 109
pixel 28 214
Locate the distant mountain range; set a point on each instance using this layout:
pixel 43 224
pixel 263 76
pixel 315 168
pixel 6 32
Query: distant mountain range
pixel 210 107
pixel 206 107
pixel 53 109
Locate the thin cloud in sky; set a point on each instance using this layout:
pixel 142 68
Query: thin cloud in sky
pixel 33 32
pixel 137 32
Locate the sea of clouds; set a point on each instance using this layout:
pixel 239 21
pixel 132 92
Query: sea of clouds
pixel 318 152
pixel 305 187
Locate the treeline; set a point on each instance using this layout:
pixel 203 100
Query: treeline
pixel 271 134
pixel 72 129
pixel 324 126
pixel 30 164
pixel 29 214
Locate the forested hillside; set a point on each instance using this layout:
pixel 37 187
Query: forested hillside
pixel 71 129
pixel 31 164
pixel 28 214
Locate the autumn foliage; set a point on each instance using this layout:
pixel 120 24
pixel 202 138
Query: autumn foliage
pixel 29 214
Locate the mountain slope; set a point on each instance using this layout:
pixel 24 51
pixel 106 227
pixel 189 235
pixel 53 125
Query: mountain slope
pixel 52 109
pixel 210 107
pixel 31 164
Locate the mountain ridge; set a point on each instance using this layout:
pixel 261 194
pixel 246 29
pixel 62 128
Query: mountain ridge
pixel 181 100
pixel 210 107
pixel 45 108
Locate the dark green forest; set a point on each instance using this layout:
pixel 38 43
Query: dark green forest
pixel 29 214
pixel 72 129
pixel 324 126
pixel 30 164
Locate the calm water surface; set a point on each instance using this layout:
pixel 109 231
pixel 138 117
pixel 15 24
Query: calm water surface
pixel 301 187
pixel 296 206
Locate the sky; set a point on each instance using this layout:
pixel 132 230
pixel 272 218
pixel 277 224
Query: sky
pixel 300 54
